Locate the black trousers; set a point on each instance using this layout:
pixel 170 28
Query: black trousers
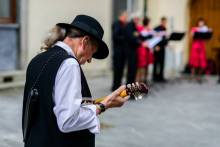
pixel 158 68
pixel 120 58
pixel 119 61
pixel 132 66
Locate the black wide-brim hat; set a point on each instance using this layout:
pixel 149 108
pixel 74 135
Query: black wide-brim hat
pixel 92 27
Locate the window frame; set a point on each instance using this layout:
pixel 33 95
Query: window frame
pixel 12 17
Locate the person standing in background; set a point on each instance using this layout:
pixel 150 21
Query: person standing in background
pixel 119 49
pixel 145 57
pixel 159 53
pixel 197 60
pixel 133 42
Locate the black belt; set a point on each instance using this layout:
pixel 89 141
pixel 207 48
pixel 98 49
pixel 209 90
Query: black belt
pixel 88 101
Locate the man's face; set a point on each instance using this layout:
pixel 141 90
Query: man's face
pixel 136 20
pixel 88 48
pixel 123 17
pixel 164 22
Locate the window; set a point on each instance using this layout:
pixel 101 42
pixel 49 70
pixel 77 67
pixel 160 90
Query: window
pixel 118 7
pixel 7 11
pixel 121 5
pixel 132 6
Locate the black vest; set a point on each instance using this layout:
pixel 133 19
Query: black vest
pixel 44 131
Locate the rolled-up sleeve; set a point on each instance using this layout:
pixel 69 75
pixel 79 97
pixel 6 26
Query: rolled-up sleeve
pixel 70 114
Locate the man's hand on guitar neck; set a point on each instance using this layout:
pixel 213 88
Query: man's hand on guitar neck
pixel 120 96
pixel 114 99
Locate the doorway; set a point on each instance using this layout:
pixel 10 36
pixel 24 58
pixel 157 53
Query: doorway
pixel 210 11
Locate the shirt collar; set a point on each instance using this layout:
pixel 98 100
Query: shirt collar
pixel 65 47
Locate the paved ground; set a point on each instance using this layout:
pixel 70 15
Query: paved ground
pixel 177 114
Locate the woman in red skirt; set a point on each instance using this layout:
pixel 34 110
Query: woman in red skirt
pixel 197 59
pixel 144 55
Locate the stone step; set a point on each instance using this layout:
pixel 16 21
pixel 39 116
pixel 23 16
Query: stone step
pixel 11 79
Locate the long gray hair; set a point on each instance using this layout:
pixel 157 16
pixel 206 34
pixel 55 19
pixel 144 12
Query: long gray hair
pixel 58 34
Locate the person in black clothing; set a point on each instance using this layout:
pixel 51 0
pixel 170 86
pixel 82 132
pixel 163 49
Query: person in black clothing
pixel 133 42
pixel 119 49
pixel 159 53
pixel 54 112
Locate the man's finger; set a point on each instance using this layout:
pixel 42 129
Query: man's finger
pixel 119 90
pixel 126 98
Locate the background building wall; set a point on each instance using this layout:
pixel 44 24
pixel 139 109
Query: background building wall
pixel 43 15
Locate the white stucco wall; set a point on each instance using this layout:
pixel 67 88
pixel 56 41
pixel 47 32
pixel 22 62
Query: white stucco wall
pixel 44 14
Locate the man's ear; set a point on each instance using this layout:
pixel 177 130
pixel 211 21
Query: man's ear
pixel 85 40
pixel 82 42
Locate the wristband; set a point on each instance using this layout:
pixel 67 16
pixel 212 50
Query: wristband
pixel 101 107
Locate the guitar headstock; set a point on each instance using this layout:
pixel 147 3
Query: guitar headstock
pixel 137 90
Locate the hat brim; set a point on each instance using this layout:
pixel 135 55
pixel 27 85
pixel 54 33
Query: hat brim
pixel 102 51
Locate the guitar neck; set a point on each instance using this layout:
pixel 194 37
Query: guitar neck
pixel 122 94
pixel 135 89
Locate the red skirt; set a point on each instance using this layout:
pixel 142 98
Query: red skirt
pixel 144 57
pixel 198 54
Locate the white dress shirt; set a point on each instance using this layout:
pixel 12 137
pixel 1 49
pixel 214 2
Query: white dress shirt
pixel 70 114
